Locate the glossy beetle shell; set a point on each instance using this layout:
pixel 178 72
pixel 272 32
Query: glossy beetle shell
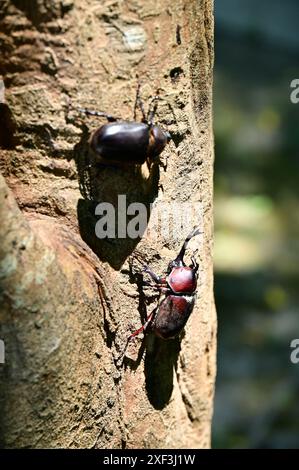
pixel 128 142
pixel 182 280
pixel 172 315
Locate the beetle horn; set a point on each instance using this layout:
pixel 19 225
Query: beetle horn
pixel 180 257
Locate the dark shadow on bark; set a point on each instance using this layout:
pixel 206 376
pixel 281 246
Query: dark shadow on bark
pixel 160 361
pixel 39 12
pixel 7 128
pixel 119 187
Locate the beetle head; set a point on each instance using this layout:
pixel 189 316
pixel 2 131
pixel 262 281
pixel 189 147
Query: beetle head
pixel 179 260
pixel 174 264
pixel 158 140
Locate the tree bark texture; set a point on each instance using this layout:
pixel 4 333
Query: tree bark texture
pixel 69 300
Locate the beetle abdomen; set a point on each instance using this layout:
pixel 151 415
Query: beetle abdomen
pixel 172 315
pixel 121 142
pixel 182 280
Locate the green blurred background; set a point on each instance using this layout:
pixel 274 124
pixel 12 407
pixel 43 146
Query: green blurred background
pixel 256 223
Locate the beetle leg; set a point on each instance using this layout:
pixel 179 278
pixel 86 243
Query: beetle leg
pixel 164 290
pixel 90 112
pixel 160 287
pixel 195 265
pixel 143 328
pixel 152 112
pixel 139 104
pixel 148 284
pixel 163 165
pixel 155 277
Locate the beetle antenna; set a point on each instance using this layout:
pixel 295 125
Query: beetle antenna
pixel 182 252
pixel 152 112
pixel 139 104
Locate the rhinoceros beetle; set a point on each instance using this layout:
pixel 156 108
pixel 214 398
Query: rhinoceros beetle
pixel 124 142
pixel 170 316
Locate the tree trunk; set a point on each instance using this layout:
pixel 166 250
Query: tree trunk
pixel 68 299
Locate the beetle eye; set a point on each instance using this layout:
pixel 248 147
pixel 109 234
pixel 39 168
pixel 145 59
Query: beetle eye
pixel 160 136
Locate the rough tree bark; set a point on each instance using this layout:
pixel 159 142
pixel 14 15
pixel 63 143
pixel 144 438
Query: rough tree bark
pixel 68 301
